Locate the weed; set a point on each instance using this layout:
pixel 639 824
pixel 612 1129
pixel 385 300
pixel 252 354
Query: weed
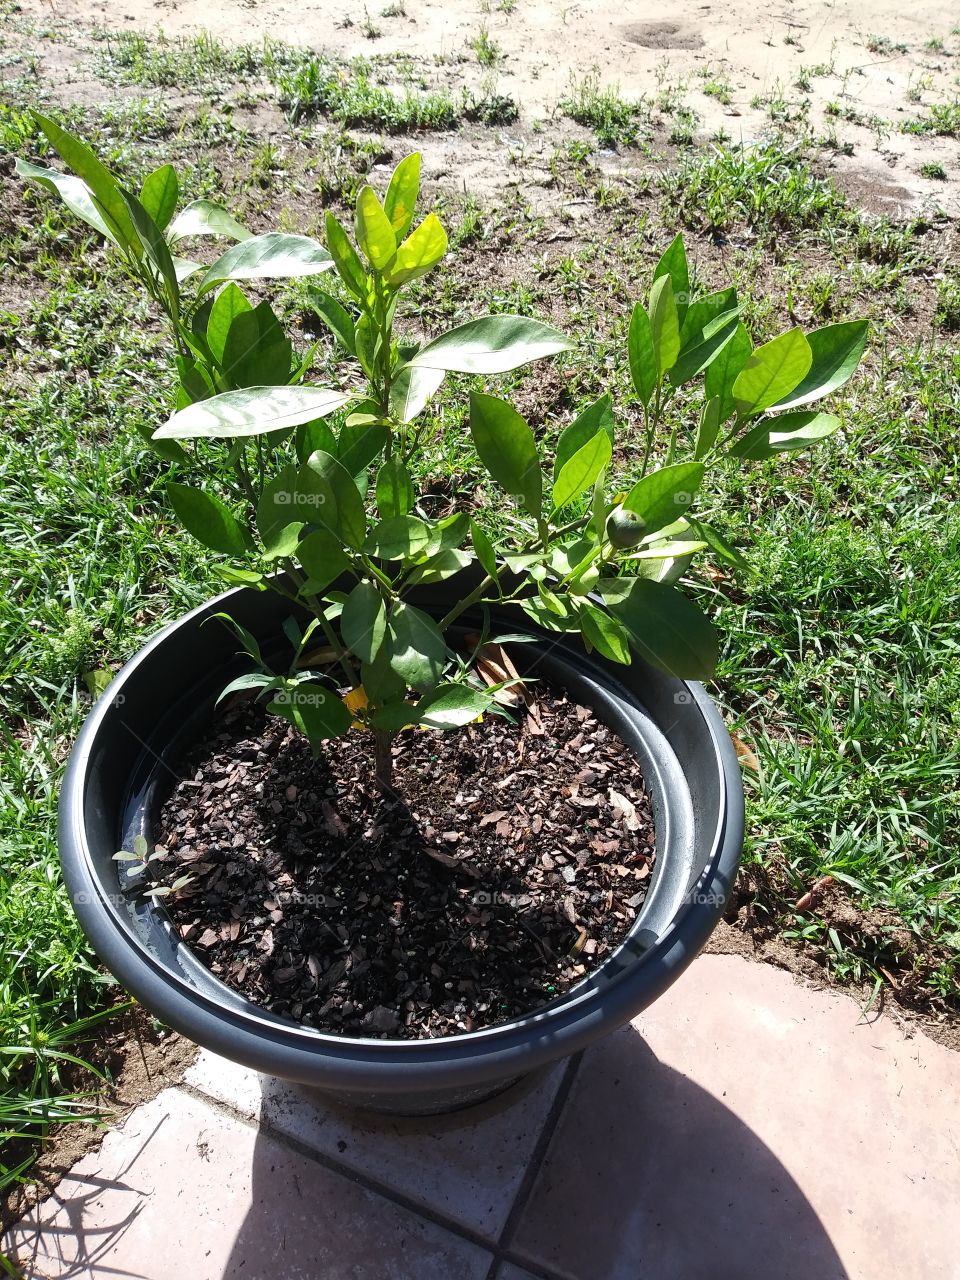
pixel 614 121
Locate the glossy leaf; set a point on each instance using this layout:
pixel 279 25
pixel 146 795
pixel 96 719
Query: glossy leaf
pixel 257 352
pixel 673 263
pixel 772 372
pixel 275 255
pixel 73 191
pixel 397 538
pixel 665 628
pixel 709 428
pixel 323 559
pixel 836 350
pixel 375 235
pixel 349 267
pixel 154 246
pixel 419 253
pixel 160 193
pixel 204 218
pixel 279 520
pixel 252 411
pixel 664 324
pixel 338 505
pixel 313 709
pixel 208 519
pixel 661 496
pixel 579 473
pixel 719 545
pixel 401 199
pixel 101 182
pixel 441 566
pixel 702 316
pixel 359 446
pixel 507 449
pixel 227 305
pixel 604 633
pixel 492 344
pixel 642 357
pixel 395 492
pixel 695 359
pixel 786 433
pixel 597 416
pixel 363 622
pixel 411 391
pixel 452 705
pixel 418 652
pixel 722 373
pixel 337 319
pixel 484 549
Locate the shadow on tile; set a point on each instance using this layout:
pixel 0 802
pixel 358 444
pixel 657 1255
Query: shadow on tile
pixel 649 1175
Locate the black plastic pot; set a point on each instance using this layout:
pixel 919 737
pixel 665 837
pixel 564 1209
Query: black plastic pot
pixel 120 772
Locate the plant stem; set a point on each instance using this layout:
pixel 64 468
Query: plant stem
pixel 383 753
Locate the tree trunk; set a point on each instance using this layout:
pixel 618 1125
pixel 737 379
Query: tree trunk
pixel 383 746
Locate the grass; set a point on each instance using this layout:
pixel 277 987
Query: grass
pixel 942 120
pixel 615 121
pixel 840 652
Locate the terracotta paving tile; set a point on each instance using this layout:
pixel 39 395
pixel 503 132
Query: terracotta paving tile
pixel 754 1130
pixel 467 1167
pixel 184 1192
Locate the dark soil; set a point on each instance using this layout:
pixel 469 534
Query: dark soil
pixel 512 862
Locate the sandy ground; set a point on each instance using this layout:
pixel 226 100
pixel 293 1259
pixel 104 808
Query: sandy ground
pixel 758 47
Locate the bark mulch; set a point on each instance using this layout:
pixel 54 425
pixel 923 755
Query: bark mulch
pixel 511 863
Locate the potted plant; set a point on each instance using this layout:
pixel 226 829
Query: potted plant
pixel 371 631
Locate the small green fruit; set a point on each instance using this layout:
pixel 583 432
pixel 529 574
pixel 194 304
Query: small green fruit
pixel 625 528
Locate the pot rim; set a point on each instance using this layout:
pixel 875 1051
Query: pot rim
pixel 689 927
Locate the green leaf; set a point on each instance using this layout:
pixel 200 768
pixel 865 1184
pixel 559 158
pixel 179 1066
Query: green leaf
pixel 604 634
pixel 664 324
pixel 337 319
pixel 229 303
pixel 507 449
pixel 358 447
pixel 786 433
pixel 695 359
pixel 661 496
pixel 642 357
pixel 419 253
pixel 492 344
pixel 160 193
pixel 374 233
pixel 363 623
pixel 418 652
pixel 349 267
pixel 709 427
pixel 579 473
pixel 154 246
pixel 208 519
pixel 314 435
pixel 597 416
pixel 401 199
pixel 271 256
pixel 451 705
pixel 395 493
pixel 703 316
pixel 674 264
pixel 246 638
pixel 250 412
pixel 100 181
pixel 317 712
pixel 772 372
pixel 411 390
pixel 323 559
pixel 483 547
pixel 397 538
pixel 723 372
pixel 836 350
pixel 169 450
pixel 203 218
pixel 665 628
pixel 339 505
pixel 185 268
pixel 74 193
pixel 719 545
pixel 257 352
pixel 380 682
pixel 279 520
pixel 449 533
pixel 441 566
